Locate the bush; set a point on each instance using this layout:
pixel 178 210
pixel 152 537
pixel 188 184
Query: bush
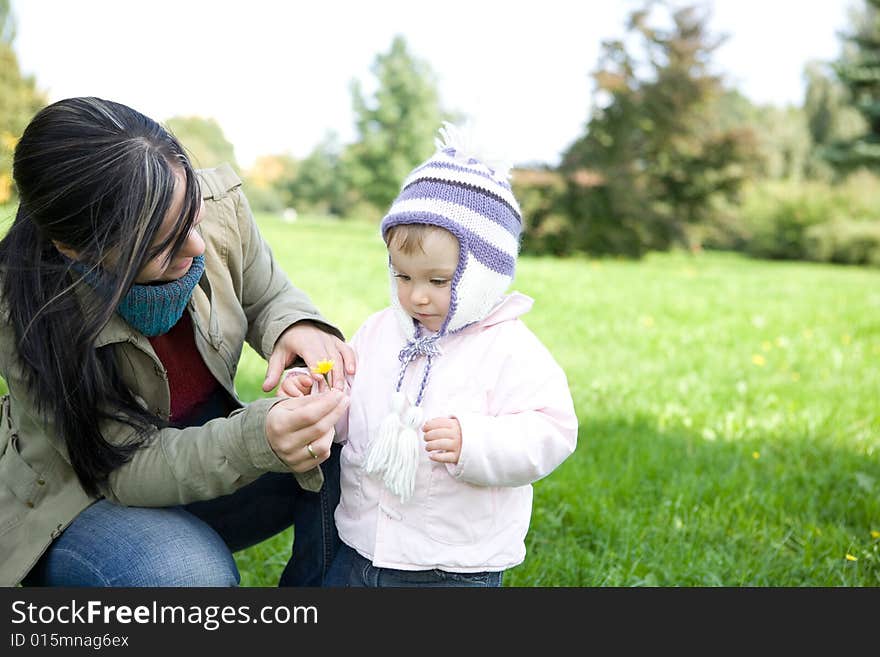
pixel 776 218
pixel 845 242
pixel 798 221
pixel 263 199
pixel 545 231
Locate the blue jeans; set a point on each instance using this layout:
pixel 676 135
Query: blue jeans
pixel 350 569
pixel 192 545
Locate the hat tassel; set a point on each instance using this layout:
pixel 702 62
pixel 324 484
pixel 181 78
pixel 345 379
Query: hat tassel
pixel 394 452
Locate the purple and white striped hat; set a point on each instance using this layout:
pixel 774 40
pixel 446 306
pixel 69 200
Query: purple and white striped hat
pixel 469 195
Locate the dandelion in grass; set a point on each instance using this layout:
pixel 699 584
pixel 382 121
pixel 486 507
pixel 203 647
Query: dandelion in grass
pixel 759 360
pixel 875 533
pixel 325 369
pixel 756 455
pixel 850 557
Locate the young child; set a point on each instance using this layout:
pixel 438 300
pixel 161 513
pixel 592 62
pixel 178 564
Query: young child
pixel 456 407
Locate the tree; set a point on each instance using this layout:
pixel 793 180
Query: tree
pixel 321 186
pixel 782 138
pixel 858 70
pixel 395 128
pixel 831 120
pixel 655 139
pixel 19 100
pixel 203 140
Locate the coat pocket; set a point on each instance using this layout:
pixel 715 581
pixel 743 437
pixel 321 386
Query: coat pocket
pixel 458 513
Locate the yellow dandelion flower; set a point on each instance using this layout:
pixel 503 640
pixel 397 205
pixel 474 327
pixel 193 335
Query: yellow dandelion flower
pixel 759 360
pixel 756 455
pixel 875 533
pixel 323 366
pixel 850 557
pixel 325 369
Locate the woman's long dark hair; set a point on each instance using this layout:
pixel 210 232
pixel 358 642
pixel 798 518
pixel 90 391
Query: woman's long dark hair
pixel 97 177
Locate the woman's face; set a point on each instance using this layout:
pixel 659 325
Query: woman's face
pixel 161 268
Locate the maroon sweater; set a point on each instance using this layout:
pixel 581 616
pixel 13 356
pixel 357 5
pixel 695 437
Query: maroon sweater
pixel 190 382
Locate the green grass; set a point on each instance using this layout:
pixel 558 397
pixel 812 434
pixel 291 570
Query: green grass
pixel 729 419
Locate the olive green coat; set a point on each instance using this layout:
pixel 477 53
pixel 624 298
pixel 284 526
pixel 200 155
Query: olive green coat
pixel 242 296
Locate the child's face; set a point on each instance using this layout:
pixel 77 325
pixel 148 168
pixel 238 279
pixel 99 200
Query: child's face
pixel 424 280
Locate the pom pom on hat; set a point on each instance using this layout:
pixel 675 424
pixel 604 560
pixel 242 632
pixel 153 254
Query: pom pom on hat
pixel 463 144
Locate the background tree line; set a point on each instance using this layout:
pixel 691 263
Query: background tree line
pixel 669 157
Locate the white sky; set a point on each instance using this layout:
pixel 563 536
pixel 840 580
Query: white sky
pixel 276 74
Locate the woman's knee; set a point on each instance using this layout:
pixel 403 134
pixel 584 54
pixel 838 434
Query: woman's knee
pixel 111 545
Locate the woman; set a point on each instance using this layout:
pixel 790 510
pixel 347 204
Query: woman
pixel 128 285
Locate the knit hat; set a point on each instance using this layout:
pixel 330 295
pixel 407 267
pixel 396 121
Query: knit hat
pixel 463 190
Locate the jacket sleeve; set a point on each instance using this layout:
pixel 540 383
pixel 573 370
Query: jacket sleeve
pixel 271 303
pixel 531 426
pixel 178 466
pixel 173 466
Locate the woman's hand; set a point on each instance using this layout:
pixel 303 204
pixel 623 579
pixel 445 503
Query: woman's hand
pixel 300 430
pixel 312 344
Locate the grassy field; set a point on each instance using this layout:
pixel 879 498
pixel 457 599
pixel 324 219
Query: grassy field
pixel 729 416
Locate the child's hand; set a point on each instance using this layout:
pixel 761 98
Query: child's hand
pixel 295 385
pixel 443 439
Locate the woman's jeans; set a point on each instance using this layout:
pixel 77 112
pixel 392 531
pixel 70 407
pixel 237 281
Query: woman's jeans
pixel 350 569
pixel 192 545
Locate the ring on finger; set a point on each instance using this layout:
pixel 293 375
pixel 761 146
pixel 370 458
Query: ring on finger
pixel 311 451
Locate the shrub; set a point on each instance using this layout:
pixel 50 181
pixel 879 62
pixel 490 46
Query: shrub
pixel 782 219
pixel 545 230
pixel 776 218
pixel 845 242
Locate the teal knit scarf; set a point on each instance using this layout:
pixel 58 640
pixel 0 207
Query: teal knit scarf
pixel 154 309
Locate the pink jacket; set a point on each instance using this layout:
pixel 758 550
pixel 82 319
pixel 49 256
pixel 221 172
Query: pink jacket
pixel 518 424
